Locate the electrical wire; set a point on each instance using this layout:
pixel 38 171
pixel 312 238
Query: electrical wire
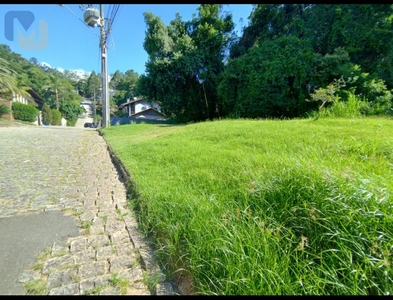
pixel 113 10
pixel 80 19
pixel 112 13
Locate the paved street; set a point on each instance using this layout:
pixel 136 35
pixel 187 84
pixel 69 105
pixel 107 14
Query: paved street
pixel 64 221
pixel 87 116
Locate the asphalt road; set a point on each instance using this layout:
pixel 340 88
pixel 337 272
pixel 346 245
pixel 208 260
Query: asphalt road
pixel 23 238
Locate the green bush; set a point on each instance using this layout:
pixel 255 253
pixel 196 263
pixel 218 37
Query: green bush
pixel 71 122
pixel 4 109
pixel 24 112
pixel 345 109
pixel 46 114
pixel 56 117
pixel 71 110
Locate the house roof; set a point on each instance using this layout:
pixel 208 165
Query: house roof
pixel 36 97
pixel 135 101
pixel 149 109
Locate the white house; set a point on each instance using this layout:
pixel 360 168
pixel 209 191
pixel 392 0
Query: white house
pixel 32 99
pixel 142 109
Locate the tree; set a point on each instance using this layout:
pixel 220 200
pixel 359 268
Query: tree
pixel 46 114
pixel 77 80
pixel 93 84
pixel 126 88
pixel 34 61
pixel 4 109
pixel 326 95
pixel 80 87
pixel 269 81
pixel 115 79
pixel 52 85
pixel 317 44
pixel 8 80
pixel 55 83
pixel 71 110
pixel 185 59
pixel 268 21
pixel 56 117
pixel 211 35
pixel 365 31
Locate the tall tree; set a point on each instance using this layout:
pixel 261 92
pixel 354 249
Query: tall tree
pixel 268 21
pixel 54 84
pixel 365 31
pixel 270 80
pixel 210 31
pixel 184 61
pixel 126 87
pixel 93 85
pixel 115 79
pixel 8 81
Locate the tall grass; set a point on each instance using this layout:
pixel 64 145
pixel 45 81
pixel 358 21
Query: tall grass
pixel 265 207
pixel 353 107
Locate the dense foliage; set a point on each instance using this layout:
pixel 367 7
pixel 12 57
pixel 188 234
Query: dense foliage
pixel 185 59
pixel 19 75
pixel 46 114
pixel 198 70
pixel 56 117
pixel 24 112
pixel 282 65
pixel 4 109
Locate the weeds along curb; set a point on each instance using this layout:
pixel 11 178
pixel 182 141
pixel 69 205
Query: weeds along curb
pixel 146 254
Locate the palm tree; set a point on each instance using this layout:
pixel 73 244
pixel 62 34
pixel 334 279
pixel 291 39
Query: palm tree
pixel 54 83
pixel 8 81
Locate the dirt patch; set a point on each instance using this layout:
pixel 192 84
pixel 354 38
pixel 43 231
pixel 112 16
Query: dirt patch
pixel 7 123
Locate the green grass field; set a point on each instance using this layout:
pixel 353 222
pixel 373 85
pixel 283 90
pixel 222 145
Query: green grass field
pixel 266 207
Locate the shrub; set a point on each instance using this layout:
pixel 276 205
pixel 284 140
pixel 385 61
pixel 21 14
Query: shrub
pixel 46 114
pixel 71 122
pixel 24 112
pixel 120 113
pixel 345 109
pixel 71 110
pixel 56 117
pixel 4 109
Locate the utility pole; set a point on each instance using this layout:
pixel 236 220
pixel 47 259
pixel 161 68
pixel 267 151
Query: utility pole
pixel 104 73
pixel 95 107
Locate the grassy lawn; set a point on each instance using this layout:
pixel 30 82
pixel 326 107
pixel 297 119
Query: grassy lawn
pixel 266 207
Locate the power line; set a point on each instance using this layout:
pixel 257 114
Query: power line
pixel 113 10
pixel 80 19
pixel 112 13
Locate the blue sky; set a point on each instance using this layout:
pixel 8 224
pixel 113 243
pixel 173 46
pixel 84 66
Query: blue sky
pixel 72 45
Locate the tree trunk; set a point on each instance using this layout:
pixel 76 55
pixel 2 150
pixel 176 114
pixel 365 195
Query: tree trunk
pixel 57 99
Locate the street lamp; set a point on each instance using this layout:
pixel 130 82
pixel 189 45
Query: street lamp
pixel 92 17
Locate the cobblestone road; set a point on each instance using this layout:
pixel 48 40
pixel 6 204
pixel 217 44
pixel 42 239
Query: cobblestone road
pixel 70 170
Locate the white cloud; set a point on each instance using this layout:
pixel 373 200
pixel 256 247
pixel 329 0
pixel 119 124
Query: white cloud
pixel 78 73
pixel 45 64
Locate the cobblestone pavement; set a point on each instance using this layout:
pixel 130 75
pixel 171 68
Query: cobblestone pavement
pixel 70 170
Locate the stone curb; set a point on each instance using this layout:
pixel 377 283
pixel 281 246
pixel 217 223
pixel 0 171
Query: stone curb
pixel 140 244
